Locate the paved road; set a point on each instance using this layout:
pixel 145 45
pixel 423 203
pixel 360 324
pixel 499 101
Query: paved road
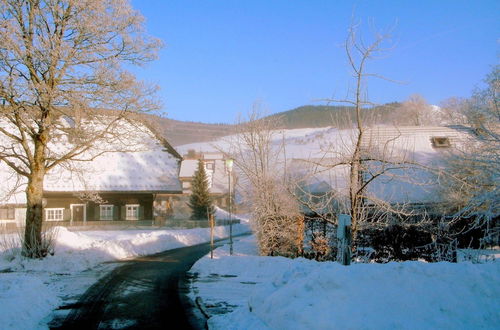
pixel 141 294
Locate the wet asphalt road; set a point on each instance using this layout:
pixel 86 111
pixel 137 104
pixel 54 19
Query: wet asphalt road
pixel 145 293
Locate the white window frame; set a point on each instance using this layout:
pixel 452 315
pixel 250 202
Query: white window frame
pixel 54 214
pixel 103 212
pixel 130 215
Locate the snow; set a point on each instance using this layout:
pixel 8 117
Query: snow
pixel 31 289
pixel 280 293
pixel 18 290
pixel 222 214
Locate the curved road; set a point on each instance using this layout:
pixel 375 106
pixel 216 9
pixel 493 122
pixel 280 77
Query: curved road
pixel 142 294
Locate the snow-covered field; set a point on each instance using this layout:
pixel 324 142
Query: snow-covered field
pixel 31 289
pixel 279 293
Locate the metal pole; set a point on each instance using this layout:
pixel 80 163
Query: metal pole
pixel 211 219
pixel 230 218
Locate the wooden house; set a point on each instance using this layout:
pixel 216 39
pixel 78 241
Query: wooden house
pixel 133 184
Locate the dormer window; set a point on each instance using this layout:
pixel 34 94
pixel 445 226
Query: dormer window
pixel 440 142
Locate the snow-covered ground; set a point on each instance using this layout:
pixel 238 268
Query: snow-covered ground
pixel 280 293
pixel 31 289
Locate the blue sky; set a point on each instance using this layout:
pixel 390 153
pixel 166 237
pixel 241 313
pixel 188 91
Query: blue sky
pixel 222 56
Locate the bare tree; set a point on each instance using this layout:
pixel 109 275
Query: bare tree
pixel 416 111
pixel 258 152
pixel 59 61
pixel 453 111
pixel 359 54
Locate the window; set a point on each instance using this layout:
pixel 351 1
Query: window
pixel 132 211
pixel 7 213
pixel 106 212
pixel 54 214
pixel 440 142
pixel 209 166
pixel 186 184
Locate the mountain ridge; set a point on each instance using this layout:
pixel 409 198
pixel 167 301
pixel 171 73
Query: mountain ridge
pixel 179 132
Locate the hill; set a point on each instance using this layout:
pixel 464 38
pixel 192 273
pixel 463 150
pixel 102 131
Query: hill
pixel 309 116
pixel 182 132
pixel 313 116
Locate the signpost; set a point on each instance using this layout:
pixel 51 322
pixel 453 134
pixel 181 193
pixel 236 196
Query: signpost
pixel 344 239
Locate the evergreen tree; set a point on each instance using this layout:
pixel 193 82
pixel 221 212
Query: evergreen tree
pixel 200 201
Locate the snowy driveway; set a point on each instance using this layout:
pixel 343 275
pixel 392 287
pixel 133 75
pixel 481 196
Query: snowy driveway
pixel 143 293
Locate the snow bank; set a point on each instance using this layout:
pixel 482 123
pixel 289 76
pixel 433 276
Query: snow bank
pixel 224 215
pixel 25 300
pixel 279 293
pixel 31 289
pixel 78 251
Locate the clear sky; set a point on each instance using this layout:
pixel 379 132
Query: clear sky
pixel 222 56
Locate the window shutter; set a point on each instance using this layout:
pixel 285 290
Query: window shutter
pixel 141 212
pixel 115 213
pixel 66 214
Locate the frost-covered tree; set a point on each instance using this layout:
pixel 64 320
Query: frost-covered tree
pixel 416 111
pixel 200 202
pixel 258 152
pixel 59 61
pixel 471 182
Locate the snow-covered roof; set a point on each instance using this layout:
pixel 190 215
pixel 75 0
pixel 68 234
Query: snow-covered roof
pixel 148 170
pixel 414 182
pixel 413 149
pixel 136 162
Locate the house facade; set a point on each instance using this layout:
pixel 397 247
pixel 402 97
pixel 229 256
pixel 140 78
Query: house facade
pixel 134 184
pixel 217 175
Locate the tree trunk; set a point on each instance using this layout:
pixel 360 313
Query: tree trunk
pixel 33 245
pixel 355 183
